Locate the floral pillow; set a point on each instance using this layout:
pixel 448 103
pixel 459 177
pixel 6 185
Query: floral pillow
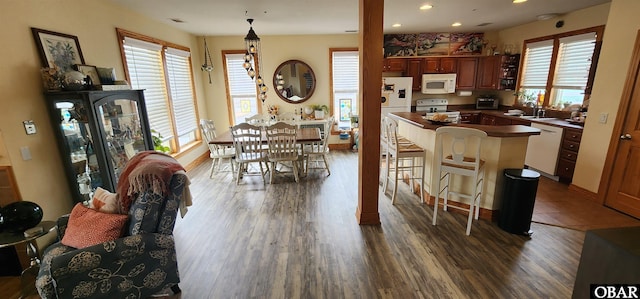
pixel 88 227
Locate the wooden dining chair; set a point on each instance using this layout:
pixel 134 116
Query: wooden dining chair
pixel 316 153
pixel 283 147
pixel 247 141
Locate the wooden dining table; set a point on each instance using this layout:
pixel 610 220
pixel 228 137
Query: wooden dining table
pixel 303 136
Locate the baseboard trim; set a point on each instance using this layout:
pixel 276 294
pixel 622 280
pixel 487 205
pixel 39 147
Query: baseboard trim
pixel 340 146
pixel 197 161
pixel 592 196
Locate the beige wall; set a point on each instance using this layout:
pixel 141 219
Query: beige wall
pixel 41 179
pixel 312 49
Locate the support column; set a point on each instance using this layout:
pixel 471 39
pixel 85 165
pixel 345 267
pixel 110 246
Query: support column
pixel 370 37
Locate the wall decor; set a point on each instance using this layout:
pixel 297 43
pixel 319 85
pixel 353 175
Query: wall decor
pixel 89 70
pixel 57 49
pixel 430 44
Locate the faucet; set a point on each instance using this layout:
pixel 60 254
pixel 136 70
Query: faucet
pixel 538 112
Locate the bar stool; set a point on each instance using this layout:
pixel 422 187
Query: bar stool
pixel 400 152
pixel 463 141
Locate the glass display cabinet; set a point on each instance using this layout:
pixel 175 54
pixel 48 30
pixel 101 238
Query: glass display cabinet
pixel 97 133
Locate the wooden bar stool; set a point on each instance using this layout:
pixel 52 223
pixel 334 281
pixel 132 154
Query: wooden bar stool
pixel 464 141
pixel 401 152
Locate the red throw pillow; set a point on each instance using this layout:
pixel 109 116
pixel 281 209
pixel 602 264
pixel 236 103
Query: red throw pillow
pixel 89 227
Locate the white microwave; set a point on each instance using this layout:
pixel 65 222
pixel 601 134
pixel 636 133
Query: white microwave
pixel 438 83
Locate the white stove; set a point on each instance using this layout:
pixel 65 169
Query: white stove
pixel 433 106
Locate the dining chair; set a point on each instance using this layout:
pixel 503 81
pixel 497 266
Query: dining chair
pixel 281 138
pixel 288 118
pixel 399 153
pixel 462 158
pixel 316 152
pixel 247 141
pixel 217 153
pixel 258 120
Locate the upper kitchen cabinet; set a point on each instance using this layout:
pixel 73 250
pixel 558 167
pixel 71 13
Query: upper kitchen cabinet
pixel 435 65
pixel 414 70
pixel 394 65
pixel 508 71
pixel 466 73
pixel 97 133
pixel 488 67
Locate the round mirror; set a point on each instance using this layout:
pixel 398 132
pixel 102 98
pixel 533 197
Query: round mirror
pixel 294 81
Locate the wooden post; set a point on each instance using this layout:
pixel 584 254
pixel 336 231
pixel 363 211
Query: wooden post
pixel 370 44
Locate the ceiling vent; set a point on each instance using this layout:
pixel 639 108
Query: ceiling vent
pixel 484 24
pixel 177 20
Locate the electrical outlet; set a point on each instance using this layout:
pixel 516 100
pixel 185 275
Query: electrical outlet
pixel 29 127
pixel 603 118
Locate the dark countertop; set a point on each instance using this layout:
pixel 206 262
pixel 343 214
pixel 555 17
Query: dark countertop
pixel 556 122
pixel 492 131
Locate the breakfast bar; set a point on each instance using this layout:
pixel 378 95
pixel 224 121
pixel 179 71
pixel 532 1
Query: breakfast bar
pixel 505 147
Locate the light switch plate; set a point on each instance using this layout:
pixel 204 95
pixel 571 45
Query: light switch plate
pixel 603 118
pixel 26 153
pixel 29 127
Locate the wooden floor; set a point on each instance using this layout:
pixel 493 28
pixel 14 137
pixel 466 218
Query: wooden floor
pixel 289 240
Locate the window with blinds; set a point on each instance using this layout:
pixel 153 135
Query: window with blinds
pixel 242 92
pixel 168 91
pixel 571 55
pixel 345 74
pixel 573 66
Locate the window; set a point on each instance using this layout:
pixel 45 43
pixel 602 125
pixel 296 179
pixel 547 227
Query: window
pixel 560 66
pixel 242 95
pixel 163 70
pixel 345 85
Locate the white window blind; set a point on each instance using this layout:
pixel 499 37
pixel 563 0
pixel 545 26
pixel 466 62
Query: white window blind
pixel 144 62
pixel 345 71
pixel 536 65
pixel 179 73
pixel 242 89
pixel 574 61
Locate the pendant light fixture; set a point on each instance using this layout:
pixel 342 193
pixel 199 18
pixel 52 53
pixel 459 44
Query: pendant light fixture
pixel 208 63
pixel 253 55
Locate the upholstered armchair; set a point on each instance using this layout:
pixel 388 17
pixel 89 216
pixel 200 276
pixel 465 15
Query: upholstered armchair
pixel 140 264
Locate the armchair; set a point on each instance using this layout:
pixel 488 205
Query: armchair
pixel 138 265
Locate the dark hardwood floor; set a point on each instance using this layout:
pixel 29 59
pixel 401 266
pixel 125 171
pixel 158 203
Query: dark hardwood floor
pixel 288 240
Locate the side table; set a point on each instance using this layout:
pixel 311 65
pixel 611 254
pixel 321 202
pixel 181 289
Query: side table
pixel 10 239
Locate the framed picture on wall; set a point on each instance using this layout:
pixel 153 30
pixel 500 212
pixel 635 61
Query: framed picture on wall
pixel 59 49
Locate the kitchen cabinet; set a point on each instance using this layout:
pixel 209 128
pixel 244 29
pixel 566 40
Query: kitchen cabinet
pixel 435 65
pixel 507 76
pixel 568 154
pixel 414 70
pixel 470 117
pixel 493 120
pixel 97 132
pixel 487 77
pixel 394 65
pixel 466 73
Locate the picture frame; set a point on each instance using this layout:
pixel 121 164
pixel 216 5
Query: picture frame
pixel 89 70
pixel 57 49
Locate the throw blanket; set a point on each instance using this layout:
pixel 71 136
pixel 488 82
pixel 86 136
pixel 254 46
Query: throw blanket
pixel 146 171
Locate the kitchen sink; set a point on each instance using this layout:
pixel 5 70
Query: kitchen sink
pixel 532 117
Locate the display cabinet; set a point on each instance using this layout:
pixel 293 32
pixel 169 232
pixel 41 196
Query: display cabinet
pixel 97 133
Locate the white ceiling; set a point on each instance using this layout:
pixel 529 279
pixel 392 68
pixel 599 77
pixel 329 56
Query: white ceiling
pixel 284 17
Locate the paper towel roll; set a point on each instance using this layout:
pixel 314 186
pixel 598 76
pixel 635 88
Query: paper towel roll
pixel 464 93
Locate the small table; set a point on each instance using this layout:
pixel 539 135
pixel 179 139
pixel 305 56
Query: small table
pixel 10 239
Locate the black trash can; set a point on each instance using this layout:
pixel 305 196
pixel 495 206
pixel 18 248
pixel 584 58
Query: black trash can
pixel 518 198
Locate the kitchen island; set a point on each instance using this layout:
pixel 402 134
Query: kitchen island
pixel 505 147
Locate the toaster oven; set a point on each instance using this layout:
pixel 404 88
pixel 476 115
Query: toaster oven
pixel 487 103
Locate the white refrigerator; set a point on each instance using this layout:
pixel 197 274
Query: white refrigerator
pixel 396 94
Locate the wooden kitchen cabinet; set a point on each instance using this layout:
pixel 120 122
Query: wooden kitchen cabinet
pixel 568 154
pixel 488 120
pixel 487 77
pixel 466 73
pixel 414 70
pixel 469 117
pixel 394 65
pixel 437 65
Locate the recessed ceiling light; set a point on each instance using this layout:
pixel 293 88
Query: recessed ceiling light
pixel 396 25
pixel 456 24
pixel 426 6
pixel 519 1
